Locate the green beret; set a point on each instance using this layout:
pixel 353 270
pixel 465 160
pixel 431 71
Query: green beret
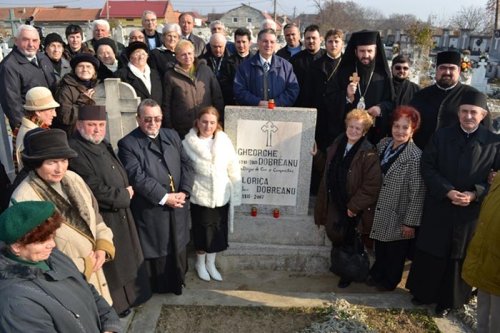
pixel 22 217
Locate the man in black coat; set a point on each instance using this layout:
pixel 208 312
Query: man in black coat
pixel 22 69
pixel 455 166
pixel 293 43
pixel 404 89
pixel 303 60
pixel 98 165
pixel 364 82
pixel 162 177
pixel 438 103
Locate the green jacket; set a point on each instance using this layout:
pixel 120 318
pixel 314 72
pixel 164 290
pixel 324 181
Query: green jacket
pixel 481 268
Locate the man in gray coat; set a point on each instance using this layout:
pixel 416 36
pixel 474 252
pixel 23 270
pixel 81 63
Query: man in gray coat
pixel 162 177
pixel 24 68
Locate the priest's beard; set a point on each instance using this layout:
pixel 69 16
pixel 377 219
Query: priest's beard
pixel 446 81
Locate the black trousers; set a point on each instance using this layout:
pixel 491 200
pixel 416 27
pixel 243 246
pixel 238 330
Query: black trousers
pixel 389 262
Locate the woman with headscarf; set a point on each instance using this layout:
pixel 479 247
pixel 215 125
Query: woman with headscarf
pixel 144 79
pixel 106 52
pixel 84 237
pixel 40 288
pixel 76 89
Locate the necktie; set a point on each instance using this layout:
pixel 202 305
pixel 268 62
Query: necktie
pixel 34 62
pixel 265 66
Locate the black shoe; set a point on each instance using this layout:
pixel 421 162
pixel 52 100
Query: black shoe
pixel 344 283
pixel 125 313
pixel 441 311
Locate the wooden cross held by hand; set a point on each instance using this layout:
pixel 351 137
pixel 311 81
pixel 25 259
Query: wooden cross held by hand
pixel 354 78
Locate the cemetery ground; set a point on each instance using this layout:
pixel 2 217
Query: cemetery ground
pixel 279 302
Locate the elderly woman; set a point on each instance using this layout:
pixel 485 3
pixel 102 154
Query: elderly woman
pixel 216 189
pixel 188 87
pixel 54 48
pixel 39 110
pixel 76 89
pixel 145 80
pixel 84 237
pixel 352 181
pixel 107 53
pixel 41 289
pixel 400 201
pixel 162 58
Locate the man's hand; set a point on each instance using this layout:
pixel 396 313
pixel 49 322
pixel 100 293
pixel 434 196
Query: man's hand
pixel 130 191
pixel 375 111
pixel 176 200
pixel 351 91
pixel 461 198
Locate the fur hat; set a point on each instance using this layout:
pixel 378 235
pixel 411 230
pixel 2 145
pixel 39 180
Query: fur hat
pixel 45 145
pixel 22 217
pixel 84 57
pixel 39 99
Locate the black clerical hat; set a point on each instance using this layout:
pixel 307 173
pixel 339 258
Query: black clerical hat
pixel 365 37
pixel 474 97
pixel 92 112
pixel 448 57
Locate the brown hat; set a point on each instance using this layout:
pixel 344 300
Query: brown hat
pixel 39 99
pixel 45 145
pixel 92 112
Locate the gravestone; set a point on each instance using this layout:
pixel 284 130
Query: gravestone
pixel 479 79
pixel 274 149
pixel 121 103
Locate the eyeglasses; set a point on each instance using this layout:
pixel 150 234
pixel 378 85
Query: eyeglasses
pixel 152 119
pixel 405 68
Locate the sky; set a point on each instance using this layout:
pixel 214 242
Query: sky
pixel 441 10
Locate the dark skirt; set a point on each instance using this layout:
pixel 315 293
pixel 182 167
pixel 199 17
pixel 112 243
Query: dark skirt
pixel 438 280
pixel 210 228
pixel 166 274
pixel 389 263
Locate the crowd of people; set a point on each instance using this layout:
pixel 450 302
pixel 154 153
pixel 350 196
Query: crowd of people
pixel 399 171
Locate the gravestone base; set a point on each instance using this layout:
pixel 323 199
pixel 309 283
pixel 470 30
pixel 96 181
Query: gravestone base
pixel 289 243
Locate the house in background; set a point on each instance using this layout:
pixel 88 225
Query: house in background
pixel 245 16
pixel 129 13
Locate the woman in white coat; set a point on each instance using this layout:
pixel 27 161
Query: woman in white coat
pixel 216 189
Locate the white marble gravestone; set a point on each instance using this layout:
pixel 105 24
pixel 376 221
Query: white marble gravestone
pixel 274 148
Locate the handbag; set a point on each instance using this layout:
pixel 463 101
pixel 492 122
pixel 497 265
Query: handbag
pixel 350 261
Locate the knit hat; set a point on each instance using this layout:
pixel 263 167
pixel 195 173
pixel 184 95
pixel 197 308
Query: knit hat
pixel 448 57
pixel 135 46
pixel 474 97
pixel 106 41
pixel 45 145
pixel 22 217
pixel 51 38
pixel 92 112
pixel 39 99
pixel 84 57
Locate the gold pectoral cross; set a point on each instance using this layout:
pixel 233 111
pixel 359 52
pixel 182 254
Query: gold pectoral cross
pixel 172 185
pixel 354 77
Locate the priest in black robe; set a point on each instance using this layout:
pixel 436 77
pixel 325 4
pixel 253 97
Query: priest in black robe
pixel 363 81
pixel 404 89
pixel 438 103
pixel 455 166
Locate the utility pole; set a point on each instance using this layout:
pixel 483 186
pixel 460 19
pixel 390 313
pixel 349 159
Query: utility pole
pixel 275 10
pixel 107 10
pixel 294 10
pixel 497 7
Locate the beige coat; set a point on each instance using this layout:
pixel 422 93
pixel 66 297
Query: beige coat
pixel 72 242
pixel 26 126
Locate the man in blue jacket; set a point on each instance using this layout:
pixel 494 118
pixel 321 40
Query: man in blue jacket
pixel 266 76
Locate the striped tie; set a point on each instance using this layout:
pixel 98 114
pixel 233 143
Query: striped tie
pixel 265 66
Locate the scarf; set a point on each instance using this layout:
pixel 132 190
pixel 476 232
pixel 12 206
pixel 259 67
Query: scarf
pixel 74 209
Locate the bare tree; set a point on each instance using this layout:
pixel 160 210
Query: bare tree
pixel 475 18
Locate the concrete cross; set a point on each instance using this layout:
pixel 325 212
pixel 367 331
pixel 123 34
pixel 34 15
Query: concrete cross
pixel 269 128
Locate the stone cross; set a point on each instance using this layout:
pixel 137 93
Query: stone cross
pixel 269 128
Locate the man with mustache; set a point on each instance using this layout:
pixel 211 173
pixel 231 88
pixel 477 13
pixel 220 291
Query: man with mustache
pixel 439 102
pixel 363 81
